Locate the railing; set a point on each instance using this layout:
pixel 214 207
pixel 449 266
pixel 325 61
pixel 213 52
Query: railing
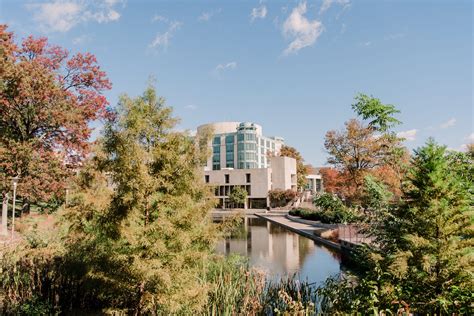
pixel 352 234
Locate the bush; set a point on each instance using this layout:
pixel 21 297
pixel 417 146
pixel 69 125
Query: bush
pixel 344 215
pixel 279 198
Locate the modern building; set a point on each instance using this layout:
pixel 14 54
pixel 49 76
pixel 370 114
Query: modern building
pixel 240 146
pixel 242 156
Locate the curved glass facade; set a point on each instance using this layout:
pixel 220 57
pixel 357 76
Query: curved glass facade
pixel 247 146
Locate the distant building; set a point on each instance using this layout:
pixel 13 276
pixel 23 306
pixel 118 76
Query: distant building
pixel 314 180
pixel 242 156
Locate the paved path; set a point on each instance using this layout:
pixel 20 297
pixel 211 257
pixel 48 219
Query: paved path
pixel 305 230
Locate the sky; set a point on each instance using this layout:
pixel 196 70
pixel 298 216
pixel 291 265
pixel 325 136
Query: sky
pixel 293 67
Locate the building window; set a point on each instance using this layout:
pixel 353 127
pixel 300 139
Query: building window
pixel 247 177
pixel 229 139
pixel 240 137
pixel 216 140
pixel 206 178
pixel 226 178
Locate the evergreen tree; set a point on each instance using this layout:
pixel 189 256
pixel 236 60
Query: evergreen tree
pixel 421 257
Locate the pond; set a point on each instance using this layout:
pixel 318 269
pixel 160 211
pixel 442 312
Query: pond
pixel 281 252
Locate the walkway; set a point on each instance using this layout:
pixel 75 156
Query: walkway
pixel 305 230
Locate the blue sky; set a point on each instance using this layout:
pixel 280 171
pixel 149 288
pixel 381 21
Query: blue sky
pixel 291 66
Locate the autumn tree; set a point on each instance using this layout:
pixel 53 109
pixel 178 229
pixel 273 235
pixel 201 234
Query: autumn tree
pixel 48 98
pixel 136 236
pixel 360 149
pixel 332 179
pixel 301 168
pixel 157 220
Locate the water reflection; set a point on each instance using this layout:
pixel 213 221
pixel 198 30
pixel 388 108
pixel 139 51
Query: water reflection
pixel 281 252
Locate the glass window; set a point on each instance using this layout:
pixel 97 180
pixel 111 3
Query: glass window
pixel 227 178
pixel 229 139
pixel 217 140
pixel 268 144
pixel 206 178
pixel 241 146
pixel 216 149
pixel 249 136
pixel 240 137
pixel 247 177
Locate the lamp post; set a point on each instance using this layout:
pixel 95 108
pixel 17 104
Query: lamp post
pixel 4 230
pixel 15 182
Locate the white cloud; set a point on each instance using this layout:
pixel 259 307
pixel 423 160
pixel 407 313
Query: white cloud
pixel 448 123
pixel 303 31
pixel 470 138
pixel 409 135
pixel 80 39
pixel 258 13
pixel 368 43
pixel 219 69
pixel 231 65
pixel 162 40
pixel 191 107
pixel 159 18
pixel 63 15
pixel 206 16
pixel 328 3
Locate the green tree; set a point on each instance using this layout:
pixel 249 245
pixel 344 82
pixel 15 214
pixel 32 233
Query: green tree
pixel 380 115
pixel 422 253
pixel 301 168
pixel 238 196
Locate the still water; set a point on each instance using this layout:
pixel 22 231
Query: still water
pixel 281 252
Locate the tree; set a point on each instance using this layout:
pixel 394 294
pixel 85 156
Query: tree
pixel 47 101
pixel 136 236
pixel 380 115
pixel 374 149
pixel 422 253
pixel 332 179
pixel 357 151
pixel 301 169
pixel 238 196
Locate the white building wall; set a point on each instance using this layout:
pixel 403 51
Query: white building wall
pixel 283 173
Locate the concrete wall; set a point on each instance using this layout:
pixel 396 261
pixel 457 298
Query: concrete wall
pixel 283 173
pixel 260 179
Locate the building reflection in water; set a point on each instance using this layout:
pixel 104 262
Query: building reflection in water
pixel 280 251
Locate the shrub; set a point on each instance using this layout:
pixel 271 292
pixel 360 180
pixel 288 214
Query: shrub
pixel 279 198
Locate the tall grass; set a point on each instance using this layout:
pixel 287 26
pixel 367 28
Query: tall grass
pixel 238 289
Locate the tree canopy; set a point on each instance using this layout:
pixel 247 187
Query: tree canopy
pixel 48 98
pixel 380 115
pixel 360 150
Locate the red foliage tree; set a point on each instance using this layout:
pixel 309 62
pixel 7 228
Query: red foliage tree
pixel 331 179
pixel 47 101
